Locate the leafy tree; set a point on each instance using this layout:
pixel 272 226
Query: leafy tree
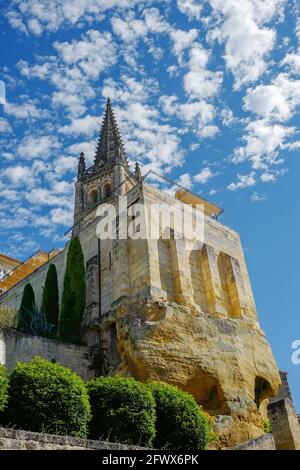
pixel 74 292
pixel 123 410
pixel 3 387
pixel 180 424
pixel 50 304
pixel 47 397
pixel 26 309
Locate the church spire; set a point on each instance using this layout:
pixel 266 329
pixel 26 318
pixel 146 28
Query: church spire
pixel 81 167
pixel 110 148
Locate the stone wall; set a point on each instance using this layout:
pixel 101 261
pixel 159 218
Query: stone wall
pixel 264 442
pixel 284 424
pixel 21 347
pixel 12 439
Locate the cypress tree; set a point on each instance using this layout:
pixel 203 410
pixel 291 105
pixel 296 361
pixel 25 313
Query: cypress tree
pixel 26 309
pixel 50 296
pixel 74 292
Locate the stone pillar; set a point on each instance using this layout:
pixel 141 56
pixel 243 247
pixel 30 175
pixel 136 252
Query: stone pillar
pixel 212 281
pixel 119 177
pixel 238 299
pixel 120 267
pixel 79 201
pixel 91 318
pixel 284 424
pixel 181 271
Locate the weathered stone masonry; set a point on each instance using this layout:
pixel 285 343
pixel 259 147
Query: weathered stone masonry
pixel 168 309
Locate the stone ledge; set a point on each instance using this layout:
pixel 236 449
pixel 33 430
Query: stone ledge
pixel 264 442
pixel 14 439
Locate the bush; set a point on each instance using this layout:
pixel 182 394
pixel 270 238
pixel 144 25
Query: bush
pixel 74 293
pixel 3 387
pixel 8 317
pixel 26 309
pixel 180 424
pixel 50 296
pixel 123 410
pixel 46 397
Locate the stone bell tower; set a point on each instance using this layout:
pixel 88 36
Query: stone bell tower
pixel 108 176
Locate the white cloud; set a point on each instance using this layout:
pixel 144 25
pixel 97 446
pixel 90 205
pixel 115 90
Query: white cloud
pixel 132 29
pixel 86 126
pixel 4 125
pixel 182 40
pixel 35 16
pixel 26 110
pixel 258 197
pixel 192 8
pixel 242 26
pixel 18 175
pixel 61 216
pixel 64 164
pixel 37 147
pixel 199 82
pixel 276 101
pixel 197 113
pixel 263 141
pixel 93 53
pixel 293 61
pixel 244 181
pixel 204 176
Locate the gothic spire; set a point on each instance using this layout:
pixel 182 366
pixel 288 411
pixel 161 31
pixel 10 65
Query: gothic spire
pixel 81 167
pixel 110 148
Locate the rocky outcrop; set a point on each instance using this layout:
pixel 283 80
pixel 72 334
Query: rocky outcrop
pixel 225 363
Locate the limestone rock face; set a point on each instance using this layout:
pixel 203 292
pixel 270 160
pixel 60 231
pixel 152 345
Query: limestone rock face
pixel 226 364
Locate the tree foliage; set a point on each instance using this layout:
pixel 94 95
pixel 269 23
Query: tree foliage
pixel 26 309
pixel 3 387
pixel 74 292
pixel 50 300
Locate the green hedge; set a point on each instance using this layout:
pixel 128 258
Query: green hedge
pixel 180 424
pixel 123 410
pixel 46 397
pixel 3 387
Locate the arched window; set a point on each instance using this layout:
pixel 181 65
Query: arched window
pixel 93 197
pixel 107 190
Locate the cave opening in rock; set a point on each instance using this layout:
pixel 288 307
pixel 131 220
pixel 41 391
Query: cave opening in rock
pixel 262 390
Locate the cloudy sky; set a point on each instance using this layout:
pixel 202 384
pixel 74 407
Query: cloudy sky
pixel 205 91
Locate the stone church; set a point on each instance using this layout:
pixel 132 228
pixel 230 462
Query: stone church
pixel 165 309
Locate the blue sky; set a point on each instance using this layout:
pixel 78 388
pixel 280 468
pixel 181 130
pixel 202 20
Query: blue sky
pixel 205 91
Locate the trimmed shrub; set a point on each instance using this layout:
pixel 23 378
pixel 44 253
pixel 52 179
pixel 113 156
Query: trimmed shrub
pixel 50 296
pixel 26 309
pixel 74 293
pixel 46 397
pixel 180 424
pixel 3 387
pixel 123 410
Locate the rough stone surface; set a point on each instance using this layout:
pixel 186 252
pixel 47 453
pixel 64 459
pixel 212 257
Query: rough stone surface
pixel 285 425
pixel 12 439
pixel 264 442
pixel 21 347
